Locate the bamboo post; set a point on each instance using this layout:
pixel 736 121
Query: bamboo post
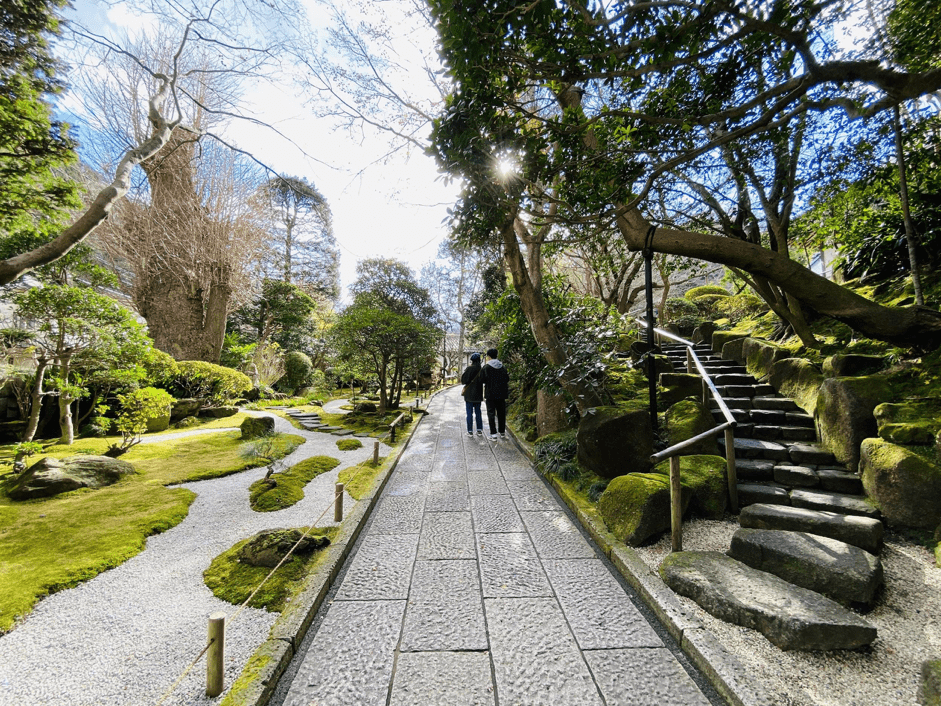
pixel 215 656
pixel 375 453
pixel 676 505
pixel 730 464
pixel 338 505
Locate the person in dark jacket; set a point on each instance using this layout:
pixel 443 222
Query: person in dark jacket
pixel 474 395
pixel 496 390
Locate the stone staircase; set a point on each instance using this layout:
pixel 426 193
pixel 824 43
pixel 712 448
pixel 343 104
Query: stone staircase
pixel 808 536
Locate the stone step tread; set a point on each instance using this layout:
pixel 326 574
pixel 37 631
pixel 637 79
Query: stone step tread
pixel 829 566
pixel 834 502
pixel 863 532
pixel 790 617
pixel 342 432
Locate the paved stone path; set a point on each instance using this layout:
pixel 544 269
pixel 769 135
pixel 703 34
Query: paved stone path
pixel 471 585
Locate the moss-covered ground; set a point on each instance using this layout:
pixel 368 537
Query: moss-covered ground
pixel 360 479
pixel 233 581
pixel 50 544
pixel 286 488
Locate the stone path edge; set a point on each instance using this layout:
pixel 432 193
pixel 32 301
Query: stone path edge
pixel 256 684
pixel 723 670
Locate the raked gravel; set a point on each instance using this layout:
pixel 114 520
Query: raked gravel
pixel 122 638
pixel 907 617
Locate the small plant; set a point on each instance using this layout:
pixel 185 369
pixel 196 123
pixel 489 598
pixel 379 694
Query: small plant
pixel 137 408
pixel 24 450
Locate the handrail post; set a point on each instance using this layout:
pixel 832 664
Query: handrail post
pixel 730 466
pixel 215 656
pixel 705 393
pixel 676 505
pixel 689 360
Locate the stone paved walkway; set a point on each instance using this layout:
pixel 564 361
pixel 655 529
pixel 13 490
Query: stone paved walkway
pixel 471 585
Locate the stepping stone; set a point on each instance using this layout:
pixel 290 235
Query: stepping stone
pixel 796 476
pixel 329 429
pixel 342 432
pixel 838 480
pixel 833 502
pixel 807 453
pixel 756 448
pixel 863 532
pixel 845 573
pixel 767 416
pixel 781 403
pixel 362 434
pixel 313 427
pixel 732 402
pixel 791 617
pixel 798 433
pixel 751 493
pixel 754 469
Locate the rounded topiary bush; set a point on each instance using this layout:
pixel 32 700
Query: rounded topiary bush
pixel 349 444
pixel 740 306
pixel 298 369
pixel 677 307
pixel 696 292
pixel 202 380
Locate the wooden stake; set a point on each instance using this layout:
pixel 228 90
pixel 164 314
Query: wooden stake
pixel 676 505
pixel 705 394
pixel 731 472
pixel 690 367
pixel 375 453
pixel 215 656
pixel 338 505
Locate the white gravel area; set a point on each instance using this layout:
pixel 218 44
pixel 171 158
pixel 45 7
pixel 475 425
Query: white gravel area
pixel 122 638
pixel 888 673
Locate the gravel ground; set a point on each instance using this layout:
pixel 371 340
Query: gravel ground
pixel 122 638
pixel 907 616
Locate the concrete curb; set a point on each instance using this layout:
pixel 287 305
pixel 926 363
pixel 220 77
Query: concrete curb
pixel 723 670
pixel 269 662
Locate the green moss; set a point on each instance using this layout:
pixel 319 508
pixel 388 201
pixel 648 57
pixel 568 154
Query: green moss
pixel 633 506
pixel 908 434
pixel 289 484
pixel 232 581
pixel 799 379
pixel 359 480
pixel 257 665
pixel 705 476
pixel 349 444
pixel 696 292
pixel 686 419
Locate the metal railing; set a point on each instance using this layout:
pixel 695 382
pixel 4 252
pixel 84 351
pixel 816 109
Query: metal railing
pixel 672 453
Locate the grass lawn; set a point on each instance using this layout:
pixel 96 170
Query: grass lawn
pixel 50 544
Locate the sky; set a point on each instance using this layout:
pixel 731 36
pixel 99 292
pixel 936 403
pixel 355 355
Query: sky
pixel 394 207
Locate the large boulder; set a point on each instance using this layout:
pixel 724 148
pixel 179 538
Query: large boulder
pixel 187 407
pixel 253 427
pixel 836 569
pixel 705 476
pixel 218 412
pixel 268 547
pixel 733 349
pixel 686 419
pixel 550 413
pixel 636 507
pixel 613 441
pixel 703 332
pixel 720 338
pixel 914 421
pixel 852 365
pixel 51 476
pixel 679 386
pixel 845 414
pixel 791 617
pixel 798 379
pixel 761 355
pixel 904 486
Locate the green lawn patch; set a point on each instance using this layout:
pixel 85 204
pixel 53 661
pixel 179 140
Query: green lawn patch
pixel 289 484
pixel 233 581
pixel 358 480
pixel 55 543
pixel 349 444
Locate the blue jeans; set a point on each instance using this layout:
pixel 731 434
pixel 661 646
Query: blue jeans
pixel 473 408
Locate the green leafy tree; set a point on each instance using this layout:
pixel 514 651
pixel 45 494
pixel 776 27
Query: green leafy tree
pixel 282 313
pixel 138 408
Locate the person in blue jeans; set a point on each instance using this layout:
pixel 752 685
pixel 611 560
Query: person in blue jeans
pixel 474 394
pixel 497 389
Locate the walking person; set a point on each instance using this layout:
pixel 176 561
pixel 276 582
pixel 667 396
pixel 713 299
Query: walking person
pixel 496 390
pixel 473 394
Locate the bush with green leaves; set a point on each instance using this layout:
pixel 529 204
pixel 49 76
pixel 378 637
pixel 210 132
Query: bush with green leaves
pixel 215 383
pixel 297 371
pixel 137 408
pixel 696 292
pixel 741 306
pixel 677 307
pixel 554 451
pixel 160 367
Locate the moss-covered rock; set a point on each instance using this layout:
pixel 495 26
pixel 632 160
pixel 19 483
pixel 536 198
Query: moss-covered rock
pixel 253 427
pixel 798 379
pixel 904 486
pixel 930 691
pixel 636 507
pixel 845 414
pixel 761 355
pixel 678 386
pixel 852 365
pixel 705 476
pixel 734 350
pixel 161 423
pixel 662 364
pixel 720 338
pixel 51 476
pixel 613 441
pixel 703 332
pixel 914 421
pixel 686 419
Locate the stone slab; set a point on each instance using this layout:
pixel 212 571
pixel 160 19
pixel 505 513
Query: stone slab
pixel 495 513
pixel 754 469
pixel 643 677
pixel 796 476
pixel 755 448
pixel 808 453
pixel 555 536
pixel 833 502
pixel 535 658
pixel 381 569
pixel 343 432
pixel 445 609
pixel 531 495
pixel 781 403
pixel 838 480
pixel 447 535
pixel 863 532
pixel 751 493
pixel 790 617
pixel 443 679
pixel 487 483
pixel 836 569
pixel 510 567
pixel 398 515
pixel 798 433
pixel 767 416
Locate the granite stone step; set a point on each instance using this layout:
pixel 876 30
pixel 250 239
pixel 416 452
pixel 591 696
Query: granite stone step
pixel 733 379
pixel 765 493
pixel 731 402
pixel 802 454
pixel 863 532
pixel 754 469
pixel 839 480
pixel 834 502
pixel 796 476
pixel 791 617
pixel 782 403
pixel 841 571
pixel 775 432
pixel 756 448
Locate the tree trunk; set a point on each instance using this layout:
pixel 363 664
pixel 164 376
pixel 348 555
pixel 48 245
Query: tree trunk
pixel 544 331
pixel 910 237
pixel 65 405
pixel 42 362
pixel 910 326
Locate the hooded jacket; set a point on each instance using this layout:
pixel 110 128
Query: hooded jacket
pixel 496 381
pixel 474 379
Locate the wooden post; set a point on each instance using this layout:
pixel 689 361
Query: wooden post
pixel 690 367
pixel 392 432
pixel 215 656
pixel 338 504
pixel 676 505
pixel 730 465
pixel 375 453
pixel 705 394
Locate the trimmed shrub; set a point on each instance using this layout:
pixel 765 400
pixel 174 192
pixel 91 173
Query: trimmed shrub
pixel 161 368
pixel 297 371
pixel 349 444
pixel 696 292
pixel 196 378
pixel 677 307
